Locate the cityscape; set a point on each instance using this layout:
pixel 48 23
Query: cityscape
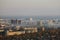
pixel 29 19
pixel 29 29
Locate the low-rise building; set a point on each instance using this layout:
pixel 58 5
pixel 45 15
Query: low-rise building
pixel 30 30
pixel 11 33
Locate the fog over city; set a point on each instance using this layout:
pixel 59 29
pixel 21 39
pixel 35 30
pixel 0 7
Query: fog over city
pixel 29 19
pixel 29 7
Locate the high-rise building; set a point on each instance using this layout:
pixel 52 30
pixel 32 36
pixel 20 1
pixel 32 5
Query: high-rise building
pixel 18 21
pixel 14 21
pixel 41 23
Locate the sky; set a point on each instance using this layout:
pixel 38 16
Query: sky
pixel 29 7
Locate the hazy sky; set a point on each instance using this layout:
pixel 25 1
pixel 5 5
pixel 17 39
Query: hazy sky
pixel 29 7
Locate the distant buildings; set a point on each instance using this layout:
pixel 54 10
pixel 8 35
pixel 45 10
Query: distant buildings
pixel 13 21
pixel 29 22
pixel 30 30
pixel 11 33
pixel 19 26
pixel 17 32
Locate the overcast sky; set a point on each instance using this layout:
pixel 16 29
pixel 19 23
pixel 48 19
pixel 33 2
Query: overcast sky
pixel 29 7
